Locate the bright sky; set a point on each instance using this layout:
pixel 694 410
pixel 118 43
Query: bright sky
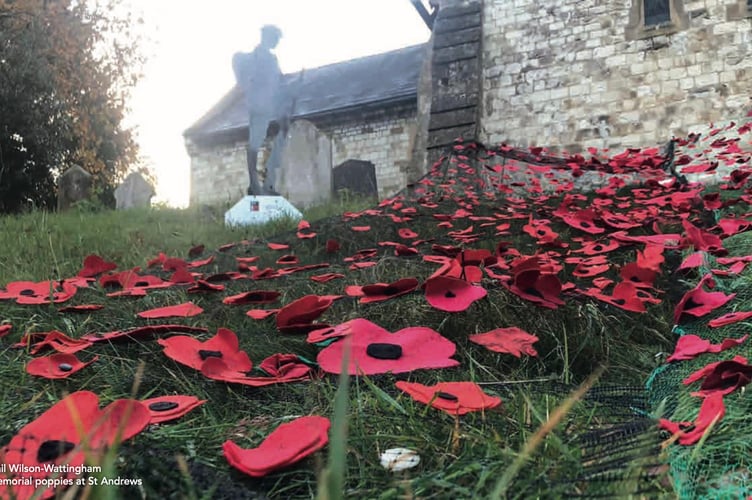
pixel 191 51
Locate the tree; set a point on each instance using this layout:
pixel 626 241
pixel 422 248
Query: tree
pixel 66 70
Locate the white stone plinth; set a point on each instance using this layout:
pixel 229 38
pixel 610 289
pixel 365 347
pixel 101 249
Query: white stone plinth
pixel 252 210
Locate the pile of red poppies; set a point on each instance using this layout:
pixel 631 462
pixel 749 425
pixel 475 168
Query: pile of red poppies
pixel 543 230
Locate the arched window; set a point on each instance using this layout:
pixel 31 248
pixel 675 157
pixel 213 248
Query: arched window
pixel 649 18
pixel 657 12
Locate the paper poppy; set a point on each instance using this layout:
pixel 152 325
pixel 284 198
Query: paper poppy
pixel 287 444
pixel 166 408
pixel 94 265
pixel 454 398
pixel 511 340
pixel 690 346
pixel 184 310
pixel 192 352
pixel 65 435
pixel 697 302
pixel 721 377
pixel 374 351
pixel 252 297
pixel 452 294
pixel 299 314
pixel 379 292
pixel 56 366
pixel 53 339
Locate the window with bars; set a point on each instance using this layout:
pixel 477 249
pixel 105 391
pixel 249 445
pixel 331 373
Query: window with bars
pixel 658 12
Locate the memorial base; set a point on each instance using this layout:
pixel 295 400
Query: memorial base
pixel 254 210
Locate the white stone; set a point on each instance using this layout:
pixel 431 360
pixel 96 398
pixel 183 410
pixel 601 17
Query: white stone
pixel 399 459
pixel 253 210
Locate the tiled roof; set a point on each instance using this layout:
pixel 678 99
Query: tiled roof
pixel 389 76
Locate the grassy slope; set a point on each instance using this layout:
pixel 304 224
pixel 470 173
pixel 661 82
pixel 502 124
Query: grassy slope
pixel 458 461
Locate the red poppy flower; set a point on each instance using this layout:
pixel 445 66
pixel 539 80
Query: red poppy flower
pixel 205 286
pixel 195 251
pixel 624 296
pixel 512 340
pixel 583 220
pixel 192 352
pixel 65 435
pixel 81 308
pixel 697 302
pixel 702 240
pixel 94 265
pixel 56 366
pixel 185 310
pixel 640 276
pixel 278 246
pixel 690 346
pixel 327 277
pixel 361 229
pixel 729 318
pixel 182 276
pixel 407 234
pixel 452 294
pixel 280 368
pixel 252 297
pixel 454 398
pixel 53 339
pixel 261 313
pixel 721 377
pixel 730 227
pixel 533 285
pixel 287 444
pixel 141 332
pixel 343 329
pixel 166 408
pixel 379 292
pixel 288 260
pixel 373 351
pixel 130 279
pixel 43 292
pixel 651 257
pixel 299 314
pixel 598 247
pixel 5 330
pixel 693 260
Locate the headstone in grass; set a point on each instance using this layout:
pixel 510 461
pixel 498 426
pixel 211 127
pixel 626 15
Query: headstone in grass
pixel 356 176
pixel 74 185
pixel 304 175
pixel 253 210
pixel 134 192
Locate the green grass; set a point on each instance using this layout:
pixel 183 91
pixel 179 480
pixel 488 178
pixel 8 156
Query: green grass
pixel 462 458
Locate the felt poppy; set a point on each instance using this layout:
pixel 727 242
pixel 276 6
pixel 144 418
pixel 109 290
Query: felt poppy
pixel 454 398
pixel 287 444
pixel 379 292
pixel 205 286
pixel 196 250
pixel 43 292
pixel 584 220
pixel 5 330
pixel 729 318
pixel 185 310
pixel 261 313
pixel 640 276
pixel 299 314
pixel 182 276
pixel 53 339
pixel 166 408
pixel 278 246
pixel 130 279
pixel 697 302
pixel 511 340
pixel 288 260
pixel 279 368
pixel 65 435
pixel 55 366
pixel 693 260
pixel 142 332
pixel 374 351
pixel 598 247
pixel 690 346
pixel 624 296
pixel 192 352
pixel 702 240
pixel 331 333
pixel 452 294
pixel 361 229
pixel 81 308
pixel 406 233
pixel 326 277
pixel 534 286
pixel 730 227
pixel 252 297
pixel 201 262
pixel 721 377
pixel 94 265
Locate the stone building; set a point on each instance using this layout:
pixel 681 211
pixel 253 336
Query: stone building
pixel 567 74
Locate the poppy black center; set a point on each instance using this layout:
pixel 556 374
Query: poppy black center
pixel 391 290
pixel 584 223
pixel 384 351
pixel 447 396
pixel 141 283
pixel 65 367
pixel 598 248
pixel 621 302
pixel 27 293
pixel 534 291
pixel 52 449
pixel 163 406
pixel 203 353
pixel 634 278
pixel 449 294
pixel 541 232
pixel 690 304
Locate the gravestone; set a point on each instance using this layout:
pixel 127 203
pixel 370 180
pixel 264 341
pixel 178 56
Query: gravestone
pixel 74 185
pixel 357 176
pixel 304 176
pixel 134 192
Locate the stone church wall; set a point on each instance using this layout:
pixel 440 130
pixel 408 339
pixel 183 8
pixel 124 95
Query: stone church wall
pixel 579 73
pixel 219 172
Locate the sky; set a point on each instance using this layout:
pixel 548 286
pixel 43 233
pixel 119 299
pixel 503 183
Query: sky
pixel 190 47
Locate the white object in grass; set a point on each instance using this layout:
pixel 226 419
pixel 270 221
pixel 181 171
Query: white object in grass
pixel 399 459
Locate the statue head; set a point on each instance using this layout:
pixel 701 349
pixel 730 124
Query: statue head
pixel 270 36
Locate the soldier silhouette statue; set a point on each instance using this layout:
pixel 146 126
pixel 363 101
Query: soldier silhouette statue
pixel 258 74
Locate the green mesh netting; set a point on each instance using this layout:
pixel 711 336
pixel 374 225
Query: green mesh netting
pixel 719 467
